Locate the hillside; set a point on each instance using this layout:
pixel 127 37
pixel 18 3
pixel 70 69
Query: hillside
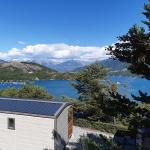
pixel 114 65
pixel 16 71
pixel 117 67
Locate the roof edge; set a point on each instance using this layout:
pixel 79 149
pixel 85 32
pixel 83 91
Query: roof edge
pixel 57 113
pixel 27 114
pixel 60 110
pixel 34 100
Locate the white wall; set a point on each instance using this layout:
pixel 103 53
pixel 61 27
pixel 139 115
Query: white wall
pixel 62 129
pixel 31 133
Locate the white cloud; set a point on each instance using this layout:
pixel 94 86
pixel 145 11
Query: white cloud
pixel 55 53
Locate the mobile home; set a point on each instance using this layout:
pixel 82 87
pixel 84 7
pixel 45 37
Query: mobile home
pixel 34 124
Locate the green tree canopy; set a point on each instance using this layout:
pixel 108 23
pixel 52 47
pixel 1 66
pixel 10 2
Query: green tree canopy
pixel 88 82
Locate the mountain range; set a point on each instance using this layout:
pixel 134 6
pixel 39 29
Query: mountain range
pixel 67 66
pixel 113 65
pixel 76 65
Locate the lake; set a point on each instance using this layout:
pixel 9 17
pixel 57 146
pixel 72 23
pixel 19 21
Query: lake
pixel 131 85
pixel 54 87
pixel 127 86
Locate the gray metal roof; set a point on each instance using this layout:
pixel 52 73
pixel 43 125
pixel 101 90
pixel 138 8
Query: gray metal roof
pixel 32 107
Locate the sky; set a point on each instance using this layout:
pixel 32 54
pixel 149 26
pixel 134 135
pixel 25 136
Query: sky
pixel 64 29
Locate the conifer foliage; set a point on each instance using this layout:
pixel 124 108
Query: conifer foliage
pixel 134 48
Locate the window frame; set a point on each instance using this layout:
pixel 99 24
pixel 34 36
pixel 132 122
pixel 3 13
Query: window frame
pixel 13 123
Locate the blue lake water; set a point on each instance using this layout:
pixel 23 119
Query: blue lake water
pixel 126 86
pixel 131 85
pixel 56 88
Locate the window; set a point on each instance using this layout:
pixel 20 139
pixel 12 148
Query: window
pixel 11 123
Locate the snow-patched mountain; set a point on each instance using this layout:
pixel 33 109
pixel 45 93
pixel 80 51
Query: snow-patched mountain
pixel 46 63
pixel 67 66
pixel 76 65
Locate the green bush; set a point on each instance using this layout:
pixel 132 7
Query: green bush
pixel 27 91
pixel 105 127
pixel 97 142
pixel 11 92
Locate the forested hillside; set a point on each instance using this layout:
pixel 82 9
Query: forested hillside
pixel 17 71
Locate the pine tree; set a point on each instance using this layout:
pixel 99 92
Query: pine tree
pixel 147 14
pixel 134 48
pixel 88 82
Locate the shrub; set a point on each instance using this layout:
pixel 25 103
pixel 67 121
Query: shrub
pixel 105 127
pixel 97 142
pixel 27 91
